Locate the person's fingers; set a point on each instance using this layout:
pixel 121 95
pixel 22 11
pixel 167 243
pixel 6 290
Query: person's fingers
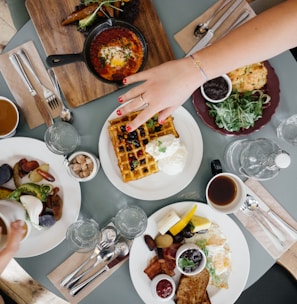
pixel 165 113
pixel 131 94
pixel 135 104
pixel 143 116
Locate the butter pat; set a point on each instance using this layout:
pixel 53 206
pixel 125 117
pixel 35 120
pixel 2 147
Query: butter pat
pixel 199 223
pixel 166 222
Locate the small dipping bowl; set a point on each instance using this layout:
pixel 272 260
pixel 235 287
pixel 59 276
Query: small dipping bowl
pixel 9 117
pixel 82 166
pixel 217 89
pixel 163 287
pixel 190 252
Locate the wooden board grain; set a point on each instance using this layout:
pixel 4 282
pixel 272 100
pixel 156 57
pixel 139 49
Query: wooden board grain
pixel 77 83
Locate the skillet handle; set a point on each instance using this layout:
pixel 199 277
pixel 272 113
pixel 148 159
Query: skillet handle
pixel 57 60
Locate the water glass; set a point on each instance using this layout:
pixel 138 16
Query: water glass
pixel 131 221
pixel 287 130
pixel 83 235
pixel 61 138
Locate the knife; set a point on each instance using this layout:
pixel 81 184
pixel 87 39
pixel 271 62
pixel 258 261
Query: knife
pixel 73 291
pixel 210 33
pixel 41 106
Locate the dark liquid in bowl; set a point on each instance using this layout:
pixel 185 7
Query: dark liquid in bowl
pixel 222 190
pixel 8 117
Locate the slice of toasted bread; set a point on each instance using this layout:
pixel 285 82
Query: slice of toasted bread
pixel 192 289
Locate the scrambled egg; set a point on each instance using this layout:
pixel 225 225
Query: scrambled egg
pixel 218 253
pixel 249 78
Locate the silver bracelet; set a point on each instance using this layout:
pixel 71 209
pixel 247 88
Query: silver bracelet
pixel 198 65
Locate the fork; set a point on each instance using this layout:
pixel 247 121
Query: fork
pixel 49 96
pixel 95 253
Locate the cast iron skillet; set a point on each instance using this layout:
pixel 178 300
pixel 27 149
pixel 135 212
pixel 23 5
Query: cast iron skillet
pixel 62 59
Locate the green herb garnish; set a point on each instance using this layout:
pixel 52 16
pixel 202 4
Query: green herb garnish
pixel 185 263
pixel 239 110
pixel 89 20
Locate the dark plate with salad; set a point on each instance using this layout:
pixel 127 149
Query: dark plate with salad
pixel 257 114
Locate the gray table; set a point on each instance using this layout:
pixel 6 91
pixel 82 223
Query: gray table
pixel 102 200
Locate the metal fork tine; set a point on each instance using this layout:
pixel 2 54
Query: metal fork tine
pixel 48 94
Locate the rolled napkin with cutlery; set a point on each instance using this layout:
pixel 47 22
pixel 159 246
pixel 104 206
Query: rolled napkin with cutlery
pixel 271 225
pixel 21 94
pixel 240 10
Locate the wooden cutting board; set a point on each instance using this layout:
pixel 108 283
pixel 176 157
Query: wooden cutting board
pixel 77 83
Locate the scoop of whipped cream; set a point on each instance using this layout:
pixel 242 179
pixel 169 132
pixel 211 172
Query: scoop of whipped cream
pixel 169 152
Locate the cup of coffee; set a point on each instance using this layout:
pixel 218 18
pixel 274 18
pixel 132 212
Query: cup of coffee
pixel 9 117
pixel 225 192
pixel 10 211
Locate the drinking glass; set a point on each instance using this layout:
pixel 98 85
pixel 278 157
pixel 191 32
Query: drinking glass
pixel 131 221
pixel 287 129
pixel 83 235
pixel 61 138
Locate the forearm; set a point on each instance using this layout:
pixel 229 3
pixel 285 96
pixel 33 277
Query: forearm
pixel 5 257
pixel 263 37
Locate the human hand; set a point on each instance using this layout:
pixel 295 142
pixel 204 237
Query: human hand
pixel 17 232
pixel 163 89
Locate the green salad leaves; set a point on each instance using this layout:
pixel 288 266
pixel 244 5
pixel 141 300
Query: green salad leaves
pixel 239 111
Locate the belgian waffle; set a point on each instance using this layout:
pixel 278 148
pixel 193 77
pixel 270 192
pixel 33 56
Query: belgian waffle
pixel 133 161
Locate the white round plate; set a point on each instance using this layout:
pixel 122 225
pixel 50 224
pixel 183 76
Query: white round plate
pixel 38 242
pixel 159 185
pixel 140 254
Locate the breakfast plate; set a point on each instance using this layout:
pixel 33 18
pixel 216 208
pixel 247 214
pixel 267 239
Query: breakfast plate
pixel 240 258
pixel 159 185
pixel 38 242
pixel 272 88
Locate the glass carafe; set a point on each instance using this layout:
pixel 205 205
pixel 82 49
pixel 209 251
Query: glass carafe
pixel 260 158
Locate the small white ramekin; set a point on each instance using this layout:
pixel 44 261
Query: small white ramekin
pixel 229 83
pixel 189 246
pixel 94 159
pixel 154 285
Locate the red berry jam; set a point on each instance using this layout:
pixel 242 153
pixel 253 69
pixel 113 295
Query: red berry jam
pixel 164 288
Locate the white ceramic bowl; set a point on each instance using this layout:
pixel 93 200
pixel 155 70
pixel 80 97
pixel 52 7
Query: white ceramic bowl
pixel 9 117
pixel 11 211
pixel 81 170
pixel 208 98
pixel 190 247
pixel 160 282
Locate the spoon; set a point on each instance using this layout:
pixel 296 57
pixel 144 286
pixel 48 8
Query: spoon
pixel 65 115
pixel 202 28
pixel 108 237
pixel 105 255
pixel 121 248
pixel 252 204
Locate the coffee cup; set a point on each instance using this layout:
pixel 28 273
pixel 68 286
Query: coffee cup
pixel 9 117
pixel 10 211
pixel 225 192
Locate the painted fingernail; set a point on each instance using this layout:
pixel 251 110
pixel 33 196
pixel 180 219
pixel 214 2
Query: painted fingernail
pixel 119 112
pixel 128 128
pixel 124 80
pixel 120 99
